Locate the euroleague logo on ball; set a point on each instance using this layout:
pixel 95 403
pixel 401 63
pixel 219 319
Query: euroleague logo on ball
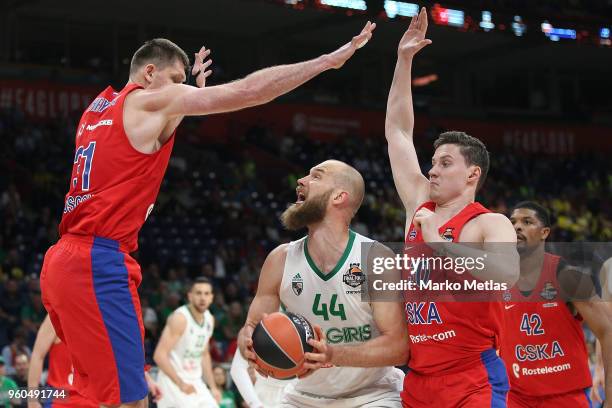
pixel 301 321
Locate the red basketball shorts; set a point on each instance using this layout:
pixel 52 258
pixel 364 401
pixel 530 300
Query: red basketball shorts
pixel 574 399
pixel 484 385
pixel 89 287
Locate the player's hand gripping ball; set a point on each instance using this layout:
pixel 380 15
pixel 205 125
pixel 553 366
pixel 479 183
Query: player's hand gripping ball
pixel 280 341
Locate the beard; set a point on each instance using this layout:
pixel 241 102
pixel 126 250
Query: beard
pixel 198 308
pixel 311 211
pixel 524 249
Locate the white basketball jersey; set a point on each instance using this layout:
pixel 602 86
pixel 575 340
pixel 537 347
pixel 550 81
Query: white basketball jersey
pixel 333 301
pixel 186 356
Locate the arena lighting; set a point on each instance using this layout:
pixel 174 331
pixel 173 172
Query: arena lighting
pixel 399 8
pixel 445 16
pixel 604 36
pixel 487 21
pixel 557 33
pixel 350 4
pixel 518 27
pixel 424 80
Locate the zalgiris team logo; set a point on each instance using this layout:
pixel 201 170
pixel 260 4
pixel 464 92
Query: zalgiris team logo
pixel 297 284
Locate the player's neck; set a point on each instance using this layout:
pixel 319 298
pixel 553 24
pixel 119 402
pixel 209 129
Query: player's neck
pixel 531 268
pixel 197 316
pixel 452 207
pixel 136 81
pixel 326 244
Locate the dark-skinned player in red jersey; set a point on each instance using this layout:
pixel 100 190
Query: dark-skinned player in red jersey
pixel 453 360
pixel 122 146
pixel 543 343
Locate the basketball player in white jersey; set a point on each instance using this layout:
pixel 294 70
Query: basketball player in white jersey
pixel 183 356
pixel 319 277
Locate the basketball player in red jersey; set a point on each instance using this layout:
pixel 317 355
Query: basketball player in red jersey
pixel 123 144
pixel 453 361
pixel 60 372
pixel 543 343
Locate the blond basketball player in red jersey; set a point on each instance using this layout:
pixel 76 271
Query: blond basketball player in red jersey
pixel 122 147
pixel 453 345
pixel 543 344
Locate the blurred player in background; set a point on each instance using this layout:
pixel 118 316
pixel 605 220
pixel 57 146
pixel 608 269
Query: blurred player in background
pixel 456 365
pixel 122 147
pixel 543 343
pixel 183 355
pixel 256 390
pixel 313 277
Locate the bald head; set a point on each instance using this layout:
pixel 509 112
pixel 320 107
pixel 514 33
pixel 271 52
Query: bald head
pixel 347 178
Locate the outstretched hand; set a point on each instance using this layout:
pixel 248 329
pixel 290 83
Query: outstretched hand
pixel 199 69
pixel 414 39
pixel 342 54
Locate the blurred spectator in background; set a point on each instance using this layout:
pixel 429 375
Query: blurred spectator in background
pixel 11 303
pixel 231 324
pixel 22 364
pixel 15 348
pixel 228 397
pixel 6 385
pixel 149 316
pixel 32 314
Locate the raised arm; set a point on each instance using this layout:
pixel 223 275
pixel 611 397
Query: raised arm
pixel 266 299
pixel 412 186
pixel 257 88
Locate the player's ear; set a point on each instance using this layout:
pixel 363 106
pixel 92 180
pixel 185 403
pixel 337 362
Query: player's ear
pixel 474 173
pixel 340 197
pixel 544 232
pixel 148 72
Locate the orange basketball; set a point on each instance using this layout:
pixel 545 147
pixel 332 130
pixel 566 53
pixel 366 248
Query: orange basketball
pixel 280 341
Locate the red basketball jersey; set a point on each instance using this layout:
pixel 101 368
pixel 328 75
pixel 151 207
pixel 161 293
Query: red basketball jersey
pixel 60 366
pixel 447 337
pixel 113 186
pixel 543 343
